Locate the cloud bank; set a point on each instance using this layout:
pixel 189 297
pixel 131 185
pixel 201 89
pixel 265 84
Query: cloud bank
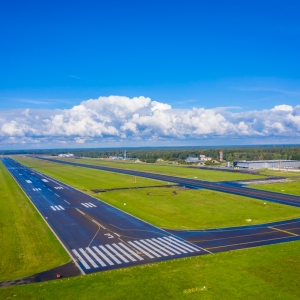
pixel 140 119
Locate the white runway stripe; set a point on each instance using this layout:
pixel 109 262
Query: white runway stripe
pixel 45 180
pixel 179 245
pixel 61 207
pixel 28 181
pixel 147 249
pixel 117 253
pixel 88 258
pixel 88 205
pixel 57 207
pixel 103 256
pixel 96 257
pixel 125 253
pixel 81 259
pixel 187 245
pixel 156 250
pixel 140 249
pixel 84 204
pixel 131 251
pixel 173 241
pixel 172 245
pixel 93 205
pixel 159 246
pixel 110 255
pixel 53 208
pixel 166 246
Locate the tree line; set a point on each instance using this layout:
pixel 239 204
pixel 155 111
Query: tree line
pixel 177 154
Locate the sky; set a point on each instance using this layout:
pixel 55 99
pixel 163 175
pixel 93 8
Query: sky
pixel 145 73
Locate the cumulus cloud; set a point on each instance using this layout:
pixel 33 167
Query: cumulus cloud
pixel 119 118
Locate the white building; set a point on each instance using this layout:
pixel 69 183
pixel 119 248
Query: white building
pixel 268 164
pixel 70 155
pixel 204 158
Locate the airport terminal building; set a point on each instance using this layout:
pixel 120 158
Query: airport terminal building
pixel 268 164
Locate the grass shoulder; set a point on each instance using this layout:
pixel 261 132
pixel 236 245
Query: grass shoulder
pixel 292 188
pixel 269 272
pixel 27 244
pixel 87 179
pixel 177 208
pixel 173 170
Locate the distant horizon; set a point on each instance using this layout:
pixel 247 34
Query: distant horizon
pixel 157 147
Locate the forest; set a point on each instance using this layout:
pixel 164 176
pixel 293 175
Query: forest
pixel 179 154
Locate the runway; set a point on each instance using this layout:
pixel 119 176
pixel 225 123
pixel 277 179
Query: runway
pixel 100 237
pixel 97 236
pixel 225 187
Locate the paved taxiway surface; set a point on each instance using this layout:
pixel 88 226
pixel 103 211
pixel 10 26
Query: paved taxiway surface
pixel 100 237
pixel 226 187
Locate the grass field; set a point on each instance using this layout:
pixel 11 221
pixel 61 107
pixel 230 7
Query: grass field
pixel 283 187
pixel 87 179
pixel 27 244
pixel 286 174
pixel 196 209
pixel 269 272
pixel 168 207
pixel 174 170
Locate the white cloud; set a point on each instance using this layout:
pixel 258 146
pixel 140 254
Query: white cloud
pixel 121 119
pixel 283 107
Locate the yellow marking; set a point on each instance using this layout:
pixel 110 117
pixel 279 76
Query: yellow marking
pixel 249 242
pixel 91 219
pixel 238 236
pixel 285 231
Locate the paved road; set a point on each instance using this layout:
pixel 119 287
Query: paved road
pixel 100 237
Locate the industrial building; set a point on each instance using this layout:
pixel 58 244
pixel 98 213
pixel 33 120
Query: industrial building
pixel 268 164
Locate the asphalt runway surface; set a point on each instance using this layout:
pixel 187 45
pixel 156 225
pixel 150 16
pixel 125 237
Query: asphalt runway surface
pixel 100 237
pixel 225 187
pixel 97 236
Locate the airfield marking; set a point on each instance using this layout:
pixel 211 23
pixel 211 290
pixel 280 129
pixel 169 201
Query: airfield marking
pixel 285 231
pixel 229 245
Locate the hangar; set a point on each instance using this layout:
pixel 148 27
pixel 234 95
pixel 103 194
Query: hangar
pixel 268 164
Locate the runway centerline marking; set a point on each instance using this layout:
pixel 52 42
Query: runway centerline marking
pixel 285 231
pixel 91 219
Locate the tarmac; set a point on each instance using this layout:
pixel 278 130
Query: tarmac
pixel 100 237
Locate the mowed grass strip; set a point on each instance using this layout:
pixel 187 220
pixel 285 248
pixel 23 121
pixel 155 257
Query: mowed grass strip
pixel 174 170
pixel 27 246
pixel 292 188
pixel 87 179
pixel 269 272
pixel 196 209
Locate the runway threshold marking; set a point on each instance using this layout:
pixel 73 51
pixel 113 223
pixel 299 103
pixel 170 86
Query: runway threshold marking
pixel 285 231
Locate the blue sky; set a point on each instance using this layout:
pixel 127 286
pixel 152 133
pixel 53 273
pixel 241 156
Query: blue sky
pixel 204 54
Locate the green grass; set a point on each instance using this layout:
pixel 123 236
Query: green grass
pixel 87 179
pixel 27 245
pixel 270 272
pixel 196 209
pixel 282 187
pixel 174 170
pixel 168 207
pixel 267 172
